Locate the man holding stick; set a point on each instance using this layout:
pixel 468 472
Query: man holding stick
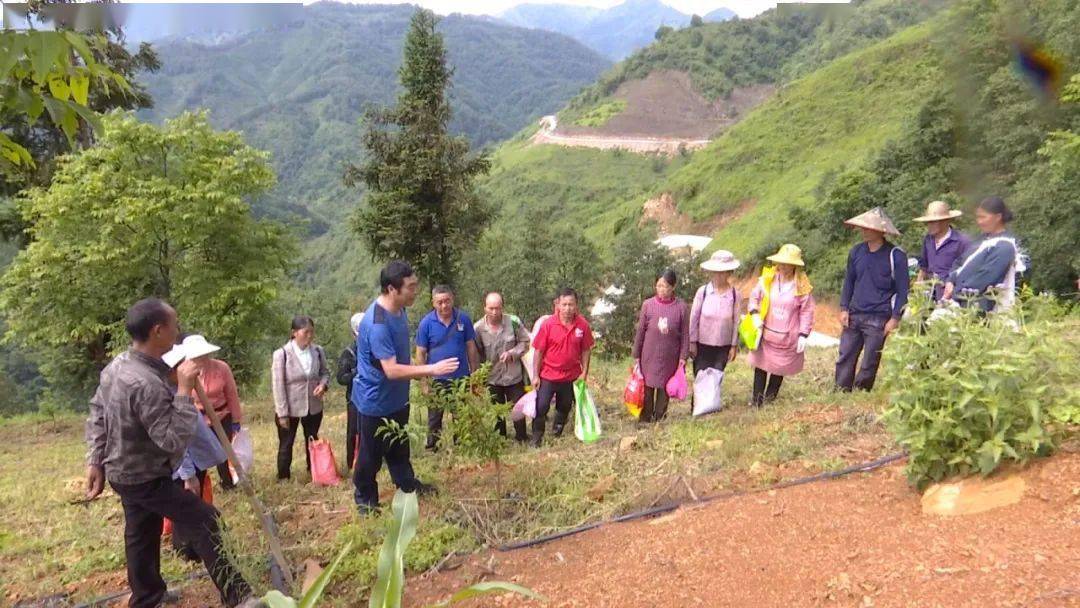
pixel 137 432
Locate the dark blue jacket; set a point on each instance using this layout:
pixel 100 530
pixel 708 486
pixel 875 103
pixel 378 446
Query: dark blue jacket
pixel 873 284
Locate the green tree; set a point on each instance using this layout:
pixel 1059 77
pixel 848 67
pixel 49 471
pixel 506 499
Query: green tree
pixel 148 211
pixel 637 259
pixel 527 260
pixel 696 21
pixel 421 204
pixel 45 79
pixel 1046 203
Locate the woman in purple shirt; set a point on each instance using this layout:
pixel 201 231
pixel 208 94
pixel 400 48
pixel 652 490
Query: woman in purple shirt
pixel 662 340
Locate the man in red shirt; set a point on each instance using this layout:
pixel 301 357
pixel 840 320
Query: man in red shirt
pixel 562 356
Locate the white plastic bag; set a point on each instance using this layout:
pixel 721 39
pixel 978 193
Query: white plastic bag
pixel 707 386
pixel 525 407
pixel 245 452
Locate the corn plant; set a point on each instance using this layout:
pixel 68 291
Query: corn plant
pixel 390 583
pixel 277 599
pixel 970 391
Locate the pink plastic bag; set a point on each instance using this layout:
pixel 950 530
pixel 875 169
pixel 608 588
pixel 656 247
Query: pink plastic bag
pixel 677 387
pixel 323 466
pixel 525 407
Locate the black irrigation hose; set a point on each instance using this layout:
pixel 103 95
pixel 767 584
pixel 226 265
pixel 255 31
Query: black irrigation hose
pixel 866 466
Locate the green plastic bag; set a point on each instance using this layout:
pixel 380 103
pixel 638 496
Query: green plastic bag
pixel 586 420
pixel 749 335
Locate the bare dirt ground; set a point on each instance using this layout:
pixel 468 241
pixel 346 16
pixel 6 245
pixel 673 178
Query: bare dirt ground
pixel 663 114
pixel 665 104
pixel 858 541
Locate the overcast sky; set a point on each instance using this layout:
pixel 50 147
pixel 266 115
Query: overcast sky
pixel 745 8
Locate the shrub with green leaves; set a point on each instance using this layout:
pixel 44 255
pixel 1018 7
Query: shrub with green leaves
pixel 968 392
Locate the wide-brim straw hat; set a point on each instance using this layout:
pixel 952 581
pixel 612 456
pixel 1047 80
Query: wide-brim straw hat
pixel 788 254
pixel 196 346
pixel 721 260
pixel 937 211
pixel 874 219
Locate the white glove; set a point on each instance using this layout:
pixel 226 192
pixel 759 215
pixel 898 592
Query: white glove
pixel 756 319
pixel 800 346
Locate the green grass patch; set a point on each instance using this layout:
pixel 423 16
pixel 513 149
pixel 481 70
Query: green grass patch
pixel 600 114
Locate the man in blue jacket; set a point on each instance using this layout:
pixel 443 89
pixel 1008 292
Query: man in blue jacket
pixel 873 299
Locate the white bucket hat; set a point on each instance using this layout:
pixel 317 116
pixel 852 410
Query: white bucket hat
pixel 196 346
pixel 192 347
pixel 721 260
pixel 354 323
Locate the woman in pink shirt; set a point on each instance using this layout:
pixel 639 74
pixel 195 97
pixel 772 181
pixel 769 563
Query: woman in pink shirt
pixel 220 389
pixel 714 316
pixel 785 324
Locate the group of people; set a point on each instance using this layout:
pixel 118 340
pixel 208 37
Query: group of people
pixel 149 439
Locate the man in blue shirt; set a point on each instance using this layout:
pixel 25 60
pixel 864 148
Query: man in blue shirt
pixel 872 301
pixel 445 333
pixel 942 246
pixel 381 387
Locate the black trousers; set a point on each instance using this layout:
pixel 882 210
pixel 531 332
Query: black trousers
pixel 145 505
pixel 766 386
pixel 435 415
pixel 656 404
pixel 864 335
pixel 180 543
pixel 352 432
pixel 223 469
pixel 509 394
pixel 286 438
pixel 376 447
pixel 563 392
pixel 715 357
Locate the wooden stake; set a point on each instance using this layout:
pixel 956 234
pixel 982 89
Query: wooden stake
pixel 249 490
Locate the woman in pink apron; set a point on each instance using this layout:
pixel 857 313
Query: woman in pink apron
pixel 784 319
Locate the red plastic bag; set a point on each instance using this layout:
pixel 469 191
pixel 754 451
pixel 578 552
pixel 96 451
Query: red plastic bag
pixel 677 387
pixel 323 466
pixel 634 393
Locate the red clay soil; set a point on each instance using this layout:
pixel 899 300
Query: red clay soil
pixel 858 541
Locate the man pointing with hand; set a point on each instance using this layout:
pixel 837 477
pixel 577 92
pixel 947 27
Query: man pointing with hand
pixel 381 387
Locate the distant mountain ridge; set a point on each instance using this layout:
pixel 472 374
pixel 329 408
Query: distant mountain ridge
pixel 614 32
pixel 300 90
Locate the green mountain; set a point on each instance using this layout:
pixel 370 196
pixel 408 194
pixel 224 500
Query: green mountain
pixel 614 32
pixel 893 104
pixel 300 90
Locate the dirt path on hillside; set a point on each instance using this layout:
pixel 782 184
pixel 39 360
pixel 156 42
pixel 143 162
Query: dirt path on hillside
pixel 664 113
pixel 639 145
pixel 858 541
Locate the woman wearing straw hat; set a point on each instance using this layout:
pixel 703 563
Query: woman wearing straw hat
pixel 785 324
pixel 941 247
pixel 714 323
pixel 219 386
